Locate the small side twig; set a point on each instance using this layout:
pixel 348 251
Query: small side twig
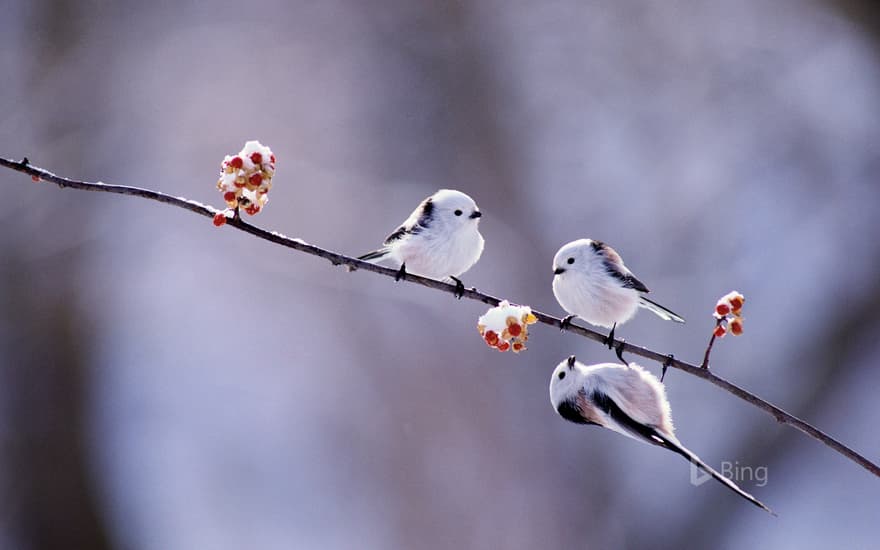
pixel 472 294
pixel 705 363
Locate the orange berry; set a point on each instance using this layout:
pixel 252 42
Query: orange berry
pixel 219 219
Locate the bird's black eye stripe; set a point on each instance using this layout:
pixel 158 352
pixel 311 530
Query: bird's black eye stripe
pixel 570 261
pixel 561 374
pixel 458 212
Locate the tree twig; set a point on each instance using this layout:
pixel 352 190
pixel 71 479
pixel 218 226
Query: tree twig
pixel 340 259
pixel 705 363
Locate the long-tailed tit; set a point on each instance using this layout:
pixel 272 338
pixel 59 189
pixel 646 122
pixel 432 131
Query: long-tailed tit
pixel 591 282
pixel 440 239
pixel 627 399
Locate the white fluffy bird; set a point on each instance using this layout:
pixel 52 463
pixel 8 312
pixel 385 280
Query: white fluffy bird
pixel 440 239
pixel 590 281
pixel 627 399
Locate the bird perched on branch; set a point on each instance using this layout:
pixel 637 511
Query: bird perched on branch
pixel 440 239
pixel 627 399
pixel 590 281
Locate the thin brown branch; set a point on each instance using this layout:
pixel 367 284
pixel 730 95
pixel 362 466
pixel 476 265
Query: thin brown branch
pixel 473 294
pixel 705 363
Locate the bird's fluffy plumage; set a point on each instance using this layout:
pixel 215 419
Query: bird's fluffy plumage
pixel 440 238
pixel 591 281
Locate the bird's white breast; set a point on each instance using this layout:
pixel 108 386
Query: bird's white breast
pixel 429 254
pixel 595 296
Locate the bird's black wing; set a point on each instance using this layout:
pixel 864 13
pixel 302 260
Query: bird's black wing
pixel 398 233
pixel 613 264
pixel 628 279
pixel 572 411
pixel 417 222
pixel 641 431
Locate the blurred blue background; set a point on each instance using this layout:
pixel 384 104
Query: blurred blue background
pixel 169 385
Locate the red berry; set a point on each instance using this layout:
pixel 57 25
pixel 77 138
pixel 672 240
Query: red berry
pixel 229 196
pixel 722 309
pixel 256 179
pixel 515 329
pixel 272 159
pixel 219 219
pixel 236 162
pixel 252 209
pixel 736 327
pixel 736 303
pixel 491 337
pixel 518 347
pixel 256 158
pixel 503 346
pixel 720 331
pixel 35 179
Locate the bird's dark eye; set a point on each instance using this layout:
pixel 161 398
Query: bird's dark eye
pixel 458 212
pixel 561 374
pixel 570 261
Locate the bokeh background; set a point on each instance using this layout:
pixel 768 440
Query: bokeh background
pixel 169 385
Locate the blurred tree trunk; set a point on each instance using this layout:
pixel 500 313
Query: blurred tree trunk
pixel 48 491
pixel 45 380
pixel 865 13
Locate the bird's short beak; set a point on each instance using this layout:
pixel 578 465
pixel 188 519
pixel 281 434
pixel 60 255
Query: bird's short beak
pixel 476 214
pixel 571 360
pixel 558 270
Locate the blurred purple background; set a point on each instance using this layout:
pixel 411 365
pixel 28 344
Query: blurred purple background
pixel 169 385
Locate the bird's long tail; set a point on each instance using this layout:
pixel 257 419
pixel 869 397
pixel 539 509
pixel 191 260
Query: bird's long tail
pixel 673 445
pixel 660 311
pixel 374 255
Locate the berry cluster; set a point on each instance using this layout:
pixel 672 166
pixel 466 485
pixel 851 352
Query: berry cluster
pixel 728 311
pixel 246 179
pixel 506 327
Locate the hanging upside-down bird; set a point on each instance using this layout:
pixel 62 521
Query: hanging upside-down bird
pixel 627 399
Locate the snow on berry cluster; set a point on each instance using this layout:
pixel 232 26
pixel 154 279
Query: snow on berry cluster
pixel 728 311
pixel 245 179
pixel 506 327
